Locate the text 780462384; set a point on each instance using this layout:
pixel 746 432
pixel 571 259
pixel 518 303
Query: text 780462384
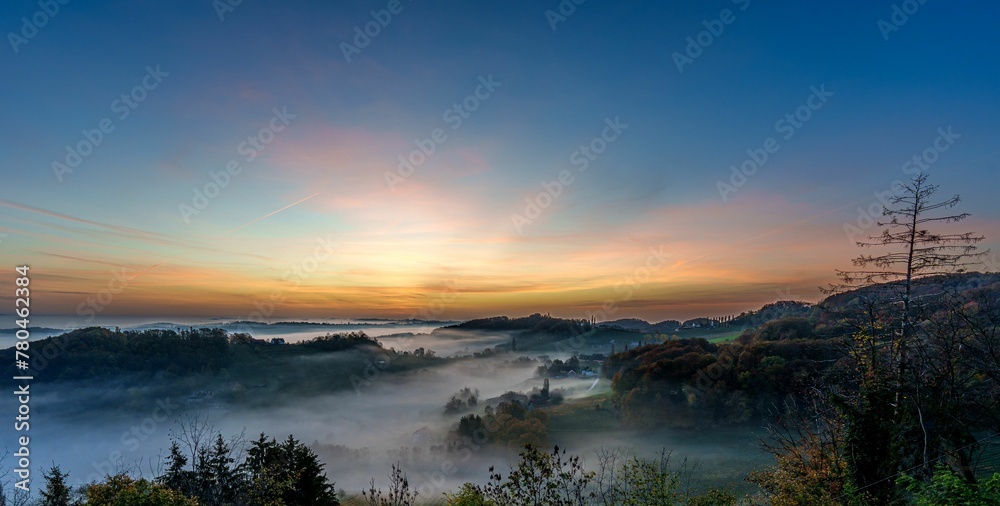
pixel 22 308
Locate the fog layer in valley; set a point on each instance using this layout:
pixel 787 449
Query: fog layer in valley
pixel 359 432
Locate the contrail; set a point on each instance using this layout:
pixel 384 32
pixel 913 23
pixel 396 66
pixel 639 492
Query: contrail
pixel 117 228
pixel 130 233
pixel 272 213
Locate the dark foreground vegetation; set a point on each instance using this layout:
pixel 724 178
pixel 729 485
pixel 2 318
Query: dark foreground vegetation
pixel 267 472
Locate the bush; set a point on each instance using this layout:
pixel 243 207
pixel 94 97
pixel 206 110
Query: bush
pixel 122 490
pixel 946 487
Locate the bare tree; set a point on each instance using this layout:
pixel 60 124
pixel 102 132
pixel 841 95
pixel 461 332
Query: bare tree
pixel 886 419
pixel 623 478
pixel 915 252
pixel 194 433
pixel 9 493
pixel 920 252
pixel 399 493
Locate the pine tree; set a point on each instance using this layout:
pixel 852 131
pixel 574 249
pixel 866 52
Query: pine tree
pixel 311 487
pixel 287 473
pixel 56 492
pixel 261 471
pixel 177 477
pixel 204 479
pixel 225 482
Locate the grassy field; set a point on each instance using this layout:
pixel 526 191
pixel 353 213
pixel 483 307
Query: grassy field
pixel 726 336
pixel 711 334
pixel 590 413
pixel 715 456
pixel 600 341
pixel 591 342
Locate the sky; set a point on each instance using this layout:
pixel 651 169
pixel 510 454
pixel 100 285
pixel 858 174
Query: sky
pixel 262 159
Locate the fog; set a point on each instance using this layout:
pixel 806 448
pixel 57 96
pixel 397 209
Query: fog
pixel 359 433
pixel 292 332
pixel 70 428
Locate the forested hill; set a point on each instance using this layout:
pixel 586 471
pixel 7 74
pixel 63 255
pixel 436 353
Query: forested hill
pixel 536 322
pixel 781 362
pixel 773 311
pixel 930 286
pixel 96 353
pixel 642 325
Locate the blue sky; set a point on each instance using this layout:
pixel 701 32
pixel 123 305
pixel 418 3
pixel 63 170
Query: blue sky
pixel 656 185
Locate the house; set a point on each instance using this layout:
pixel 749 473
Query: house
pixel 588 373
pixel 571 374
pixel 278 340
pixel 422 434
